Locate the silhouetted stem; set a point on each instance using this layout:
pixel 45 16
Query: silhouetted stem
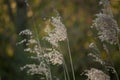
pixel 66 69
pixel 65 77
pixel 71 62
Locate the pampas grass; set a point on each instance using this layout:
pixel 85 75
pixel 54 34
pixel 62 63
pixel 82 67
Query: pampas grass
pixel 47 55
pixel 107 32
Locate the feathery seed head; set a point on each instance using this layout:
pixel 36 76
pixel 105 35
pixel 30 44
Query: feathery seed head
pixel 105 24
pixel 95 74
pixel 59 33
pixel 107 28
pixel 55 57
pixel 96 58
pixel 25 32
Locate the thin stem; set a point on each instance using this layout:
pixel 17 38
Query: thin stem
pixel 71 63
pixel 66 69
pixel 64 65
pixel 65 77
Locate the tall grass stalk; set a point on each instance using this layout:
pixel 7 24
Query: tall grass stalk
pixel 66 70
pixel 65 77
pixel 71 61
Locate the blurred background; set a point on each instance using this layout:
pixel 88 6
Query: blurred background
pixel 77 15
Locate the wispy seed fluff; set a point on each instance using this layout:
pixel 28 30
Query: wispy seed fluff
pixel 54 56
pixel 35 69
pixel 105 24
pixel 96 58
pixel 58 33
pixel 95 74
pixel 25 32
pixel 44 55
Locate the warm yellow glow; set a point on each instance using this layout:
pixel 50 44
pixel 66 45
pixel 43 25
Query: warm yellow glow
pixel 30 13
pixel 13 5
pixel 9 51
pixel 37 2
